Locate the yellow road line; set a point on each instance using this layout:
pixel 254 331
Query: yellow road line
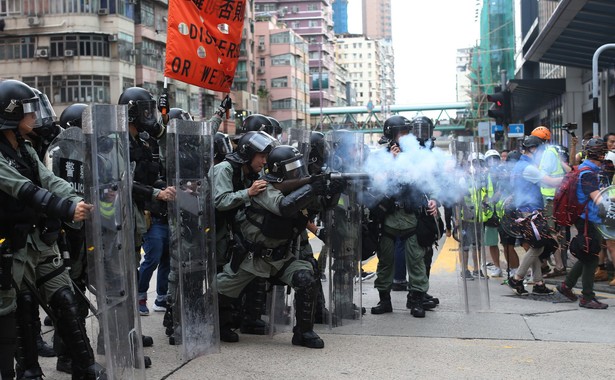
pixel 446 262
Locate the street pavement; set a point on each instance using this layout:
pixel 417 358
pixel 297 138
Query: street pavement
pixel 494 335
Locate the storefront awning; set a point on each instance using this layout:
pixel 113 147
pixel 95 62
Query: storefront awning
pixel 574 32
pixel 530 94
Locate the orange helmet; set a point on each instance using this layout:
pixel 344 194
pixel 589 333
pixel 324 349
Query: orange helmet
pixel 542 132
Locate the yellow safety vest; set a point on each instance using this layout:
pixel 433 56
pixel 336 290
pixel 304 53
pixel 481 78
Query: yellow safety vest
pixel 549 192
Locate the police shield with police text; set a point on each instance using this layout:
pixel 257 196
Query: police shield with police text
pixel 110 240
pixel 191 215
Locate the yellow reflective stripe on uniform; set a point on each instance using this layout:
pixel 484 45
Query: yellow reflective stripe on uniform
pixel 106 209
pixel 549 192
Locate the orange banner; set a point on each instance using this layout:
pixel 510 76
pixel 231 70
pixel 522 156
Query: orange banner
pixel 203 39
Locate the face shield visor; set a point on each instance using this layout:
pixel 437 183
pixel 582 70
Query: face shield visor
pixel 422 131
pixel 294 168
pixel 146 114
pixel 33 105
pixel 262 142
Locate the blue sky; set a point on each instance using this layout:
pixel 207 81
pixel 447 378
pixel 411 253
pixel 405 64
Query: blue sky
pixel 426 36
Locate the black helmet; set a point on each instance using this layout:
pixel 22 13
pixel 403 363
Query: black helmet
pixel 222 146
pixel 285 162
pixel 141 107
pixel 319 152
pixel 394 125
pixel 254 142
pixel 276 128
pixel 532 142
pixel 422 128
pixel 72 115
pixel 595 149
pixel 178 113
pixel 256 122
pixel 16 100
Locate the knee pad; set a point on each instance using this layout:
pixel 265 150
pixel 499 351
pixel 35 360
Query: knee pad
pixel 303 279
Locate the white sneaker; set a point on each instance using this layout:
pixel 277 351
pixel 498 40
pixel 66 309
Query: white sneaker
pixel 495 271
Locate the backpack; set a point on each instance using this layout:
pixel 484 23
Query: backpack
pixel 566 206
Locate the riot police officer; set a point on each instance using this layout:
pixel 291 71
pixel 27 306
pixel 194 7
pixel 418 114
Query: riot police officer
pixel 256 122
pixel 33 197
pixel 268 228
pixel 236 182
pixel 399 218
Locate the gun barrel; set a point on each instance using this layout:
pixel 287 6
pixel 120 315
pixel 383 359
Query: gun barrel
pixel 349 176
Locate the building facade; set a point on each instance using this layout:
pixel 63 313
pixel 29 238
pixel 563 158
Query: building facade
pixel 340 16
pixel 377 23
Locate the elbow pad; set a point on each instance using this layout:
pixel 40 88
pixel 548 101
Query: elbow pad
pixel 297 200
pixel 47 202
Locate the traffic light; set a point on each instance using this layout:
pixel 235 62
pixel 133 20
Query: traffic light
pixel 501 108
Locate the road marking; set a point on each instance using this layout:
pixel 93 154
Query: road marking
pixel 446 262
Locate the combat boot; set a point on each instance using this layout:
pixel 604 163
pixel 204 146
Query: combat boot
pixel 430 302
pixel 384 306
pixel 303 332
pixel 26 355
pixel 254 300
pixel 415 304
pixel 225 310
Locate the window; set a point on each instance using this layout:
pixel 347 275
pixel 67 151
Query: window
pixel 16 48
pixel 10 7
pixel 261 62
pixel 93 45
pixel 126 48
pixel 313 7
pixel 279 82
pixel 81 89
pixel 41 83
pixel 151 54
pixel 287 103
pixel 283 60
pixel 280 38
pixel 147 14
pixel 127 83
pixel 59 44
pixel 313 23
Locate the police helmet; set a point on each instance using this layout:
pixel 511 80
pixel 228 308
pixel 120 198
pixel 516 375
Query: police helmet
pixel 276 128
pixel 422 127
pixel 178 113
pixel 542 133
pixel 256 122
pixel 319 152
pixel 16 100
pixel 492 157
pixel 532 142
pixel 72 115
pixel 285 162
pixel 142 109
pixel 254 142
pixel 396 124
pixel 595 149
pixel 222 146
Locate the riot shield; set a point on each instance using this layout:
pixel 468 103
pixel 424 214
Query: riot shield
pixel 300 139
pixel 65 157
pixel 191 217
pixel 472 280
pixel 607 227
pixel 110 241
pixel 343 224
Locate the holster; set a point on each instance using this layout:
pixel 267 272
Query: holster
pixel 50 231
pixel 238 252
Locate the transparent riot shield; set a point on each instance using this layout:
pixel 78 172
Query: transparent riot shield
pixel 65 157
pixel 191 217
pixel 343 225
pixel 607 227
pixel 471 261
pixel 300 139
pixel 110 241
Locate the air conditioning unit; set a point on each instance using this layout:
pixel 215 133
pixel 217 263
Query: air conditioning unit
pixel 112 38
pixel 149 51
pixel 34 21
pixel 294 9
pixel 132 51
pixel 261 70
pixel 42 53
pixel 261 47
pixel 103 11
pixel 69 53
